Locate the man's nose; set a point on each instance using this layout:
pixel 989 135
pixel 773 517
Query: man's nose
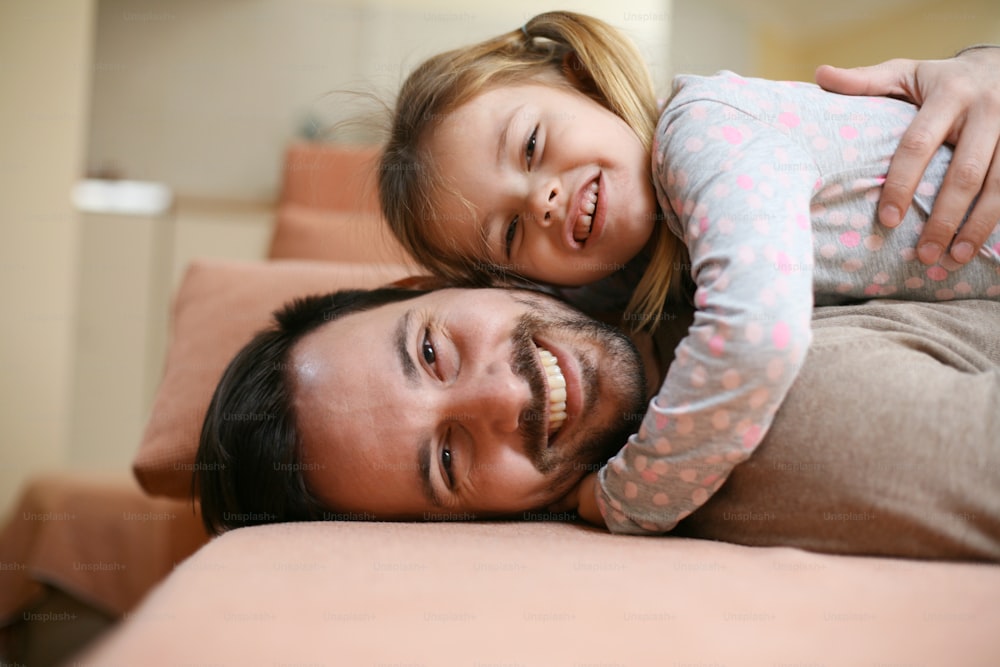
pixel 492 400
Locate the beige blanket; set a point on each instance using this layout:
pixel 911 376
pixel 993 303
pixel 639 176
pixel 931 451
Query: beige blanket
pixel 888 442
pixel 549 594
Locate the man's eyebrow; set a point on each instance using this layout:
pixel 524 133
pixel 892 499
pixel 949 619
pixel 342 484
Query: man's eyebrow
pixel 424 466
pixel 400 337
pixel 502 143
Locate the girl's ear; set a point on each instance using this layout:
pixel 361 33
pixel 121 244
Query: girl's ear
pixel 578 75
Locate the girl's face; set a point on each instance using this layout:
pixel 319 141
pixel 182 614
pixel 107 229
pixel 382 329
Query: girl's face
pixel 559 185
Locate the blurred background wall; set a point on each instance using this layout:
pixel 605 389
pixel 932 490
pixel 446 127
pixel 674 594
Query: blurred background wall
pixel 788 39
pixel 204 96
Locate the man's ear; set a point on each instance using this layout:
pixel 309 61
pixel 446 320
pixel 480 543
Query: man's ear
pixel 420 283
pixel 578 75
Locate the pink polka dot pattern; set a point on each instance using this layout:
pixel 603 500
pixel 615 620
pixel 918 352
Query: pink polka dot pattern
pixel 789 119
pixel 661 467
pixel 717 345
pixel 694 144
pixel 937 273
pixel 850 239
pixel 873 242
pixel 731 379
pixel 685 424
pixel 781 335
pixel 751 437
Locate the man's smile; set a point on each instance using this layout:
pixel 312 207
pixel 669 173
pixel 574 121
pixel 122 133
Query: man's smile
pixel 555 385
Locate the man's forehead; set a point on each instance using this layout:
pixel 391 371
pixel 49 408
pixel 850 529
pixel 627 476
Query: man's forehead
pixel 303 354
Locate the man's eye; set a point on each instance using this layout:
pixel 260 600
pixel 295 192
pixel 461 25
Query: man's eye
pixel 427 349
pixel 509 236
pixel 446 464
pixel 529 150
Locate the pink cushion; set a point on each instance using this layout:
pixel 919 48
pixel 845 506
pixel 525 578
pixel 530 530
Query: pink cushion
pixel 331 176
pixel 362 593
pixel 302 232
pixel 219 306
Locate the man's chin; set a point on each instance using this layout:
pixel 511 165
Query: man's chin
pixel 603 441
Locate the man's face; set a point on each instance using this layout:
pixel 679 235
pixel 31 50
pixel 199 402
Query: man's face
pixel 448 404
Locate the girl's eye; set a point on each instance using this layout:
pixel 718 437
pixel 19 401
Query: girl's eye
pixel 427 349
pixel 529 150
pixel 509 236
pixel 446 464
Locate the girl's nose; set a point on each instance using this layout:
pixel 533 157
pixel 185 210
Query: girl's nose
pixel 545 204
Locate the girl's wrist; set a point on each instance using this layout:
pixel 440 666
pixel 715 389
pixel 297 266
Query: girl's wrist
pixel 588 507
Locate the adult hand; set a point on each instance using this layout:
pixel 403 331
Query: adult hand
pixel 959 103
pixel 582 499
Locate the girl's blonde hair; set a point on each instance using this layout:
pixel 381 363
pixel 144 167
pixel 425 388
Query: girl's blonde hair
pixel 559 47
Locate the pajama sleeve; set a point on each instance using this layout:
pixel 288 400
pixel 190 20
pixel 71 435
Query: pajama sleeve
pixel 740 192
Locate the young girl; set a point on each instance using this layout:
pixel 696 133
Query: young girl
pixel 529 154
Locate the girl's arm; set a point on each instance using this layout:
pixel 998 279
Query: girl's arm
pixel 959 103
pixel 741 191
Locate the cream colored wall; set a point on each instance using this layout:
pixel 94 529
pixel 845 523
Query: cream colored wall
pixel 788 39
pixel 129 265
pixel 45 55
pixel 205 95
pixel 928 30
pixel 707 37
pixel 939 31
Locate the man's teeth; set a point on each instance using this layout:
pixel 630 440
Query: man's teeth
pixel 581 228
pixel 557 389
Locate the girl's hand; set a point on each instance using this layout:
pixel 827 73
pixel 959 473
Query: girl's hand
pixel 582 499
pixel 959 103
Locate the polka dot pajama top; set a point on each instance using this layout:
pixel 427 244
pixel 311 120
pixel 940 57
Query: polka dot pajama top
pixel 773 188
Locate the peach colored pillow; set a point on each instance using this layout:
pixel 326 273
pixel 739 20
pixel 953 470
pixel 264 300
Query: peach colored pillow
pixel 332 177
pixel 303 232
pixel 218 308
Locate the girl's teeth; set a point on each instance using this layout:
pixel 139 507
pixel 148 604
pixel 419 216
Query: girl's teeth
pixel 581 229
pixel 557 389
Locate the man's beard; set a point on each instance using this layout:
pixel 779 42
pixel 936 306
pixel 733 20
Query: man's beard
pixel 621 367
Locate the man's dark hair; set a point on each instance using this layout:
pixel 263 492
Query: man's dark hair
pixel 246 470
